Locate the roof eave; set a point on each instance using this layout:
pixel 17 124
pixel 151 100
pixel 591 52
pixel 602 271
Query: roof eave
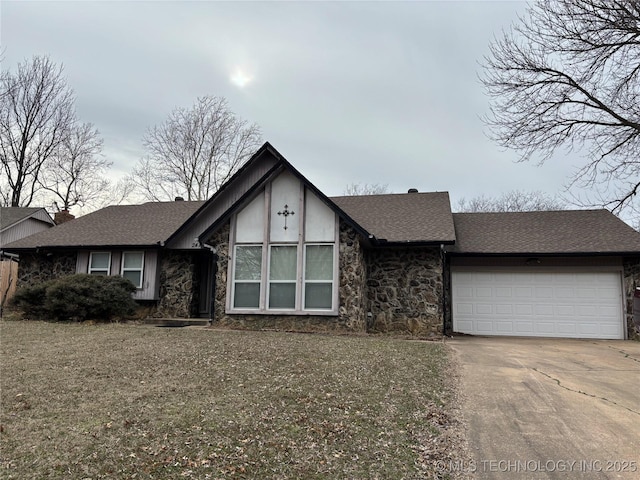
pixel 412 243
pixel 544 254
pixel 85 247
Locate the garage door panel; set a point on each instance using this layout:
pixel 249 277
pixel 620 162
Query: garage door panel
pixel 543 309
pixel 523 328
pixel 504 309
pixel 564 328
pixel 504 327
pixel 562 303
pixel 524 309
pixel 484 309
pixel 484 292
pixel 484 327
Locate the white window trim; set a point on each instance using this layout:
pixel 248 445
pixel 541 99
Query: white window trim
pixel 300 282
pixel 93 271
pixel 141 269
pixel 332 281
pixel 231 289
pixel 295 281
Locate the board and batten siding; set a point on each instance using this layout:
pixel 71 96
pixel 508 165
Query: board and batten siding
pixel 150 274
pixel 224 201
pixel 23 229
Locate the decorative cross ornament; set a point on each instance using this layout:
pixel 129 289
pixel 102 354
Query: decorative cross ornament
pixel 285 213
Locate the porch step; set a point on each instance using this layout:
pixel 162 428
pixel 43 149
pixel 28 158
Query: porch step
pixel 176 322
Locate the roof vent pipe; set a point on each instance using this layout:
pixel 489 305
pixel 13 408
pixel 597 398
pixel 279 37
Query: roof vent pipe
pixel 412 190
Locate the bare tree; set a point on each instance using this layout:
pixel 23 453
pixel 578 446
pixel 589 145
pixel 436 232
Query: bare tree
pixel 567 75
pixel 195 151
pixel 513 201
pixel 356 189
pixel 36 114
pixel 75 171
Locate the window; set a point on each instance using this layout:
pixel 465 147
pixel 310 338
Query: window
pixel 99 263
pixel 283 273
pixel 318 277
pixel 284 258
pixel 132 267
pixel 248 273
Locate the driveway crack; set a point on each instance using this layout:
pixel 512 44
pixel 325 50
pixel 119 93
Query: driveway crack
pixel 626 354
pixel 584 393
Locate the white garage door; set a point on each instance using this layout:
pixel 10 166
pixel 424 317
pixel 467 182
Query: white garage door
pixel 549 303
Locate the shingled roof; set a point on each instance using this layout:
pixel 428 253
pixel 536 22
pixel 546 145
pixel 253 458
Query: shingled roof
pixel 124 225
pixel 402 218
pixel 552 232
pixel 11 215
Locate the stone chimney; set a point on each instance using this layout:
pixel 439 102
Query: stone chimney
pixel 62 216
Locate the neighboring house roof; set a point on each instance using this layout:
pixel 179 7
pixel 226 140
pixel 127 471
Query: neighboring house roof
pixel 10 216
pixel 548 232
pixel 402 218
pixel 124 225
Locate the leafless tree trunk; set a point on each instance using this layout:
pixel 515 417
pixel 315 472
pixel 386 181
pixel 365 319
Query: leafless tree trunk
pixel 75 172
pixel 36 114
pixel 195 151
pixel 567 75
pixel 514 201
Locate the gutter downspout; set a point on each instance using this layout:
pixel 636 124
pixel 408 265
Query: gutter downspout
pixel 213 274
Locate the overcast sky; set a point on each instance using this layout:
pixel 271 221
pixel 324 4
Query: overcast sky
pixel 363 92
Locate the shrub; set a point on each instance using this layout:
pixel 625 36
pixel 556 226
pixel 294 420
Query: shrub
pixel 78 297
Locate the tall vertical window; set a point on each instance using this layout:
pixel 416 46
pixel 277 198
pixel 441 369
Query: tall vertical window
pixel 318 277
pixel 132 267
pixel 248 273
pixel 283 273
pixel 99 263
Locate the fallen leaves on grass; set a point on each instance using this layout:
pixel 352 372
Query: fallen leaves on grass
pixel 124 401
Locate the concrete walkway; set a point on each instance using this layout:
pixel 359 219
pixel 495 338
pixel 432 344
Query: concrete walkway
pixel 551 408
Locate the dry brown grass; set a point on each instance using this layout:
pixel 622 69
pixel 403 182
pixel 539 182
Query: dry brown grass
pixel 127 401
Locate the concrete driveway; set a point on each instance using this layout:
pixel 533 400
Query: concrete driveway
pixel 551 408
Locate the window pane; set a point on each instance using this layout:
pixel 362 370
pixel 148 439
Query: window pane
pixel 132 260
pixel 135 276
pixel 318 295
pixel 283 264
pixel 248 262
pixel 100 261
pixel 282 295
pixel 319 262
pixel 247 295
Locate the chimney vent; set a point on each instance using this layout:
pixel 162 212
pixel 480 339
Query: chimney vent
pixel 412 190
pixel 179 199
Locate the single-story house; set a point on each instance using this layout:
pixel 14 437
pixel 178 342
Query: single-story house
pixel 270 250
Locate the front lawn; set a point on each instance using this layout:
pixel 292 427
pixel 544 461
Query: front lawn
pixel 133 401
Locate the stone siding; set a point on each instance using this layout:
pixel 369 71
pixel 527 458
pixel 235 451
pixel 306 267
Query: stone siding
pixel 36 268
pixel 352 313
pixel 631 282
pixel 178 286
pixel 405 289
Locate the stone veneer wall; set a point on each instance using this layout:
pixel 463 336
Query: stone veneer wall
pixel 178 286
pixel 631 281
pixel 405 290
pixel 36 268
pixel 352 312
